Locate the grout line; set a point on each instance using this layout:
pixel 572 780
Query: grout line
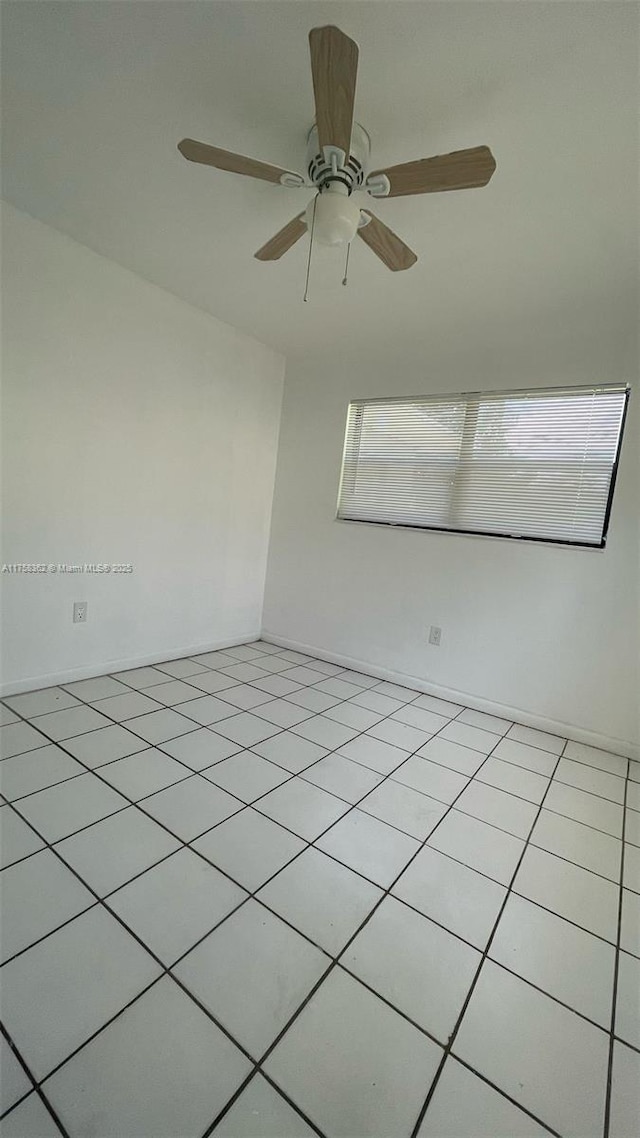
pixel 452 1037
pixel 35 1086
pixel 186 844
pixel 616 971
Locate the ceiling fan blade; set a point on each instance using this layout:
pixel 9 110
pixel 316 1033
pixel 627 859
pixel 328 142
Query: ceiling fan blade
pixel 386 244
pixel 235 163
pixel 462 170
pixel 283 240
pixel 334 67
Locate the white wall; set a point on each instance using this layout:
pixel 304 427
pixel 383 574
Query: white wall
pixel 548 631
pixel 136 429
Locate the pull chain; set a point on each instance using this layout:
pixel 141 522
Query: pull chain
pixel 346 265
pixel 313 223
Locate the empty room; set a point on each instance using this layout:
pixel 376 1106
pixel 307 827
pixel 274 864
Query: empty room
pixel 319 697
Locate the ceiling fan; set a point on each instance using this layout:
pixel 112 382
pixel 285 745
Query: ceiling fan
pixel 338 164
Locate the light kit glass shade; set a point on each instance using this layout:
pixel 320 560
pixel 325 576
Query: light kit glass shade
pixel 336 217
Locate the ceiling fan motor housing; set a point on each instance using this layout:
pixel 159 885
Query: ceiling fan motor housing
pixel 332 166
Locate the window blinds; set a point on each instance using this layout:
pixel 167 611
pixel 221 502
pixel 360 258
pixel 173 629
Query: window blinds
pixel 533 464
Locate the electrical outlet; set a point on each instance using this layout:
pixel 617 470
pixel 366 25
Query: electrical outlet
pixel 435 635
pixel 80 612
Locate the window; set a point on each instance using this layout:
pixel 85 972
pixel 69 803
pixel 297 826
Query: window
pixel 531 464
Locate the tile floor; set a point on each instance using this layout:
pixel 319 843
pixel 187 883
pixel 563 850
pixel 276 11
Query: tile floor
pixel 255 895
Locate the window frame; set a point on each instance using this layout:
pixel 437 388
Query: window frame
pixel 473 398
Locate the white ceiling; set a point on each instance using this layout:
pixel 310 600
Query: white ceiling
pixel 97 94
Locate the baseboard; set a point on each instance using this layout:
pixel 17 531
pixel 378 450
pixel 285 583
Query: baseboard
pixel 478 703
pixel 87 672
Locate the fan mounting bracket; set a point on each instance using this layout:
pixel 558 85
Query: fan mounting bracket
pixel 293 181
pixel 331 165
pixel 378 185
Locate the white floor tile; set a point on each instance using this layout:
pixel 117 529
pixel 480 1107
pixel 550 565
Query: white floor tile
pixel 628 1001
pixel 478 845
pixel 584 807
pixel 244 672
pixel 414 813
pixel 625 1100
pixel 201 749
pixel 313 700
pixel 103 746
pixel 538 946
pixel 633 795
pixel 593 757
pixel 334 670
pixel 137 776
pixel 576 842
pixel 283 713
pixel 634 770
pixel 294 657
pixel 256 954
pixel 6 716
pixel 36 770
pixel 14 1083
pixel 41 702
pixel 498 808
pixel 161 1069
pixel 473 737
pixel 452 755
pixel 569 891
pixel 246 729
pixel 218 659
pixel 514 780
pixel 440 706
pixel 542 739
pixel 161 726
pixel 326 732
pixel 278 686
pixel 419 967
pixel 464 901
pixel 631 873
pixel 115 850
pixel 523 755
pixel 274 665
pixel 397 691
pixel 369 846
pixel 249 847
pixel 260 1112
pixel 374 753
pixel 630 925
pixel 16 738
pixel 30 1119
pixel 207 709
pixel 61 810
pixel 140 677
pixel 353 716
pixel 176 903
pixel 421 718
pixel 244 696
pixel 338 687
pixel 123 707
pixel 430 778
pixel 464 1104
pixel 544 1056
pixel 342 777
pixel 377 1065
pixel 38 895
pixel 66 987
pixel 212 682
pixel 99 688
pixel 61 725
pixel 181 669
pixel 632 827
pixel 357 678
pixel 609 786
pixel 485 722
pixel 246 775
pixel 17 840
pixel 191 807
pixel 290 751
pixel 301 674
pixel 302 808
pixel 244 652
pixel 399 734
pixel 383 704
pixel 321 898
